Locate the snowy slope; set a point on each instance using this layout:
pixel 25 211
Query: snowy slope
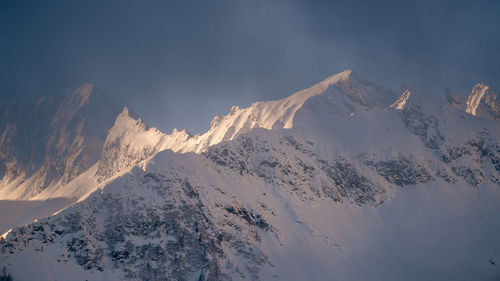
pixel 130 141
pixel 349 87
pixel 341 181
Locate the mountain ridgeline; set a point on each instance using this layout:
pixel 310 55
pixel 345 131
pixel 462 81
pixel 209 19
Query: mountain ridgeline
pixel 342 176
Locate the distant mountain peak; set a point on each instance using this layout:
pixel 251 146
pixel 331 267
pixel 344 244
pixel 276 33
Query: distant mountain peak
pixel 341 76
pixel 475 97
pixel 83 91
pixel 482 102
pixel 51 140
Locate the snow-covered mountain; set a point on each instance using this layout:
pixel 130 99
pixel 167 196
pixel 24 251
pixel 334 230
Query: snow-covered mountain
pixel 345 180
pixel 130 141
pixel 51 140
pixel 481 102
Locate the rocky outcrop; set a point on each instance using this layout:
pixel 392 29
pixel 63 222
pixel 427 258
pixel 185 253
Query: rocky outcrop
pixel 483 102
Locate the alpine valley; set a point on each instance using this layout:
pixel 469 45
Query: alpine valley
pixel 345 180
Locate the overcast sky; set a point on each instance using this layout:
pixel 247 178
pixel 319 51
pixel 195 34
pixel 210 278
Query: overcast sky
pixel 178 63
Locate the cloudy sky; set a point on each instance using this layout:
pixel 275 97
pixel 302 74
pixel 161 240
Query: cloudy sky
pixel 178 63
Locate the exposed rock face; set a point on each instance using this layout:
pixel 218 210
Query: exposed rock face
pixel 426 127
pixel 469 155
pixel 483 102
pixel 51 140
pixel 295 166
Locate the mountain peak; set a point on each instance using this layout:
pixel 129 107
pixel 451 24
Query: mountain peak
pixel 124 114
pixel 341 76
pixel 84 91
pixel 345 87
pixel 482 102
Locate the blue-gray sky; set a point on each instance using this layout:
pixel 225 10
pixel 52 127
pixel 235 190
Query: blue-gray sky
pixel 178 63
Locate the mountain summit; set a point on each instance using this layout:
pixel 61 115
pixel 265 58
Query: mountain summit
pixel 483 102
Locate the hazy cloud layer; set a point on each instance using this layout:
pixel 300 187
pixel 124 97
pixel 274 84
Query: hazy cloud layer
pixel 177 63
